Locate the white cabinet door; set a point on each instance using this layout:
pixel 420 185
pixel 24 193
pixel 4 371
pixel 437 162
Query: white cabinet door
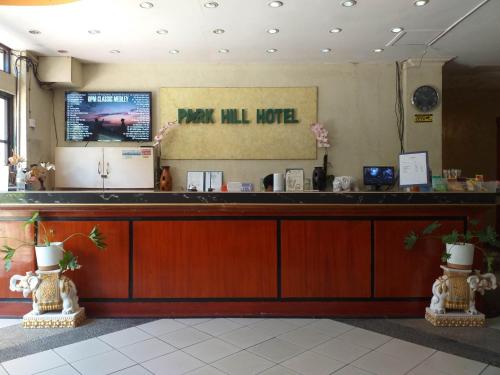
pixel 79 167
pixel 128 168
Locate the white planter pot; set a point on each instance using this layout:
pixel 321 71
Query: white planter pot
pixel 48 257
pixel 461 255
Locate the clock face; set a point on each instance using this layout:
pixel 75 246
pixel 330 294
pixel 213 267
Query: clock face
pixel 425 98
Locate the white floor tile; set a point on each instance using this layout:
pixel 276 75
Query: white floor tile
pixel 2 371
pixel 184 337
pixel 193 321
pixel 305 337
pixel 341 350
pixel 491 370
pixel 63 370
pixel 161 326
pixel 365 338
pixel 245 337
pixel 206 370
pixel 383 364
pixel 243 363
pixel 301 322
pixel 310 363
pixel 277 350
pixel 278 370
pixel 173 364
pixel 351 370
pixel 30 364
pixel 83 349
pixel 9 322
pixel 330 327
pixel 412 353
pixel 211 350
pixel 245 321
pixel 216 327
pixel 146 350
pixel 125 337
pixel 134 370
pixel 453 364
pixel 104 363
pixel 425 369
pixel 274 327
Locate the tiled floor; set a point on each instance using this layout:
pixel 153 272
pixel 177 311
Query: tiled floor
pixel 241 347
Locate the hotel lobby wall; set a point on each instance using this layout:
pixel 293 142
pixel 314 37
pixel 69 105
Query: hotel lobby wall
pixel 355 102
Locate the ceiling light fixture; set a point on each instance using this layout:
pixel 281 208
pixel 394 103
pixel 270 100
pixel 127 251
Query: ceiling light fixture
pixel 146 5
pixel 34 32
pixel 162 31
pixel 115 51
pixel 94 32
pixel 223 50
pixel 326 50
pixel 62 51
pixel 378 50
pixel 397 29
pixel 219 31
pixel 335 30
pixel 275 4
pixel 349 3
pixel 420 3
pixel 273 31
pixel 271 50
pixel 174 51
pixel 211 4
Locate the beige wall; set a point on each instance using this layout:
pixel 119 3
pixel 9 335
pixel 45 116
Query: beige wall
pixel 470 131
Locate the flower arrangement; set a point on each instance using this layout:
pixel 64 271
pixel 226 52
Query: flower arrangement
pixel 321 134
pixel 164 130
pixel 38 173
pixel 16 159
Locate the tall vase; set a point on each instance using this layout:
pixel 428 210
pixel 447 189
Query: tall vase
pixel 165 179
pixel 319 178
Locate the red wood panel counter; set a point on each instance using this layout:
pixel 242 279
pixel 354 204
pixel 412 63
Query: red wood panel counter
pixel 309 254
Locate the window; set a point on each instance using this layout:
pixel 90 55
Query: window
pixel 4 58
pixel 6 127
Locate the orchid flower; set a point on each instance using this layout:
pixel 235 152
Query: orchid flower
pixel 321 134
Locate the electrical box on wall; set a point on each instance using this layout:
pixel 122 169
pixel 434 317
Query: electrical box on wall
pixel 63 71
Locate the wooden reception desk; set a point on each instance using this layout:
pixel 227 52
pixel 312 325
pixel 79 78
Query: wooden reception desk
pixel 243 254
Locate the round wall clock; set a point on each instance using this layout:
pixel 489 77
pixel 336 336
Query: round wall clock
pixel 425 98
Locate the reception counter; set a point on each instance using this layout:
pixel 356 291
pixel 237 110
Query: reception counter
pixel 243 254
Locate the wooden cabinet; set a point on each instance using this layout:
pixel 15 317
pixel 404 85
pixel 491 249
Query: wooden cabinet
pixel 325 258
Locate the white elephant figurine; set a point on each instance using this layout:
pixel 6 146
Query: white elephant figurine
pixel 479 283
pixel 51 291
pixel 440 294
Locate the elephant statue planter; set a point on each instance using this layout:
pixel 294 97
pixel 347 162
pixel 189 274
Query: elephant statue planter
pixel 51 292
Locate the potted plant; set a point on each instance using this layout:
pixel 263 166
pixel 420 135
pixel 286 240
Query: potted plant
pixel 459 250
pixel 51 255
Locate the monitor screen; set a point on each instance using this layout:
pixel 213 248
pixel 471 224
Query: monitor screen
pixel 108 116
pixel 378 175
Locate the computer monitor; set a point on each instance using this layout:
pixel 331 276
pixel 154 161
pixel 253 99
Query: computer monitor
pixel 378 176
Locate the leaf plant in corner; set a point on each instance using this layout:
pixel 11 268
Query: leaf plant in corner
pixel 485 240
pixel 68 262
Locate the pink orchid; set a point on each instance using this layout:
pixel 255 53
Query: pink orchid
pixel 321 134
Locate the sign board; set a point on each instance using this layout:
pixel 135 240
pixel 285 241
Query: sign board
pixel 423 118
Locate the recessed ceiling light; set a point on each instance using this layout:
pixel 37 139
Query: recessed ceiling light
pixel 271 50
pixel 349 3
pixel 94 32
pixel 335 30
pixel 174 51
pixel 34 32
pixel 62 51
pixel 378 50
pixel 397 29
pixel 162 31
pixel 273 31
pixel 211 4
pixel 420 3
pixel 275 4
pixel 146 5
pixel 223 50
pixel 326 50
pixel 218 31
pixel 115 51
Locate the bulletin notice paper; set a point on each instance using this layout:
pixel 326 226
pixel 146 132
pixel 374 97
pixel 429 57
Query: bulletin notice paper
pixel 413 169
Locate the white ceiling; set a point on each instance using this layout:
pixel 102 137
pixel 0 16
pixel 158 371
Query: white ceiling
pixel 304 30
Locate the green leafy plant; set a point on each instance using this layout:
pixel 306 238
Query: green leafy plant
pixel 485 239
pixel 69 260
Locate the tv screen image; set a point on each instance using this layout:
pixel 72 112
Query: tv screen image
pixel 377 176
pixel 108 116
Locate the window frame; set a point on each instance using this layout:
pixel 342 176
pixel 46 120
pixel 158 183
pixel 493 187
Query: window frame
pixel 10 122
pixel 7 55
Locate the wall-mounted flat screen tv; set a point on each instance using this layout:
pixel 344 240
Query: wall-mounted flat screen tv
pixel 108 116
